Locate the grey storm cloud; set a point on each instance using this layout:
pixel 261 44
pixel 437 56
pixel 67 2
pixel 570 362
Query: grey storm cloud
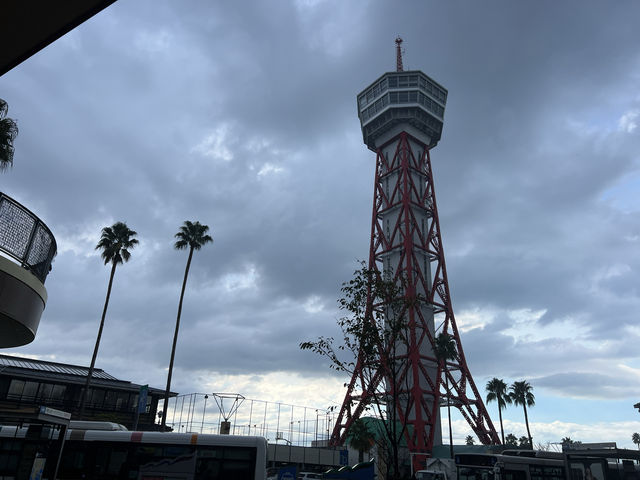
pixel 243 116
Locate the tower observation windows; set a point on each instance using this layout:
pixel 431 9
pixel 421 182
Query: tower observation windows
pixel 391 90
pixel 402 97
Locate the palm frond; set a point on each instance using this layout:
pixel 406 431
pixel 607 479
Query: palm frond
pixel 115 243
pixel 192 235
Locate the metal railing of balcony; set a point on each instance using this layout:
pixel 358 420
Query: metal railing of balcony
pixel 25 238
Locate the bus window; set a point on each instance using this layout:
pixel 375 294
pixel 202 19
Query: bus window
pixel 470 473
pixel 545 472
pixel 514 475
pixel 207 468
pixel 585 470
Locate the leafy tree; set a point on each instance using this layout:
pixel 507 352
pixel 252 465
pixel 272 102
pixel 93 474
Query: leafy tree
pixel 523 442
pixel 497 392
pixel 192 235
pixel 8 133
pixel 374 340
pixel 115 243
pixel 521 394
pixel 445 349
pixel 469 440
pixel 567 442
pixel 511 440
pixel 635 438
pixel 360 438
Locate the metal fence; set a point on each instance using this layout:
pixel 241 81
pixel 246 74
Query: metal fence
pixel 276 421
pixel 25 238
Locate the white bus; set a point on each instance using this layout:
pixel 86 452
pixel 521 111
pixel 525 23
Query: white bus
pixel 125 455
pixel 585 464
pixel 477 466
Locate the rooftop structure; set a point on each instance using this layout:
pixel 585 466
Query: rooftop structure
pixel 26 384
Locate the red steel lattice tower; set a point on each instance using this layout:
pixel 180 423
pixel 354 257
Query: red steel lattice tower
pixel 401 114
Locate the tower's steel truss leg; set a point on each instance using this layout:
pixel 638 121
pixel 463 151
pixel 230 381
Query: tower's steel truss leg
pixel 405 239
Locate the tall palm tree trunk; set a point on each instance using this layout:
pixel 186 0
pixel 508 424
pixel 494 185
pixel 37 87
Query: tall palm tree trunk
pixel 175 341
pixel 83 394
pixel 501 427
pixel 526 420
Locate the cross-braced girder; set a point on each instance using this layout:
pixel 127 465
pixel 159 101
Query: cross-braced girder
pixel 406 240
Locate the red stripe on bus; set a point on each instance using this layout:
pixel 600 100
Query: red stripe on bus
pixel 136 437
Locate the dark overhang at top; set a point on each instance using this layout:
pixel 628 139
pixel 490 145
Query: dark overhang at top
pixel 28 27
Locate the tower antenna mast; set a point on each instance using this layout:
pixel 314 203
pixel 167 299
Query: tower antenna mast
pixel 399 54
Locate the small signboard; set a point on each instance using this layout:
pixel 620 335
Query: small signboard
pixel 142 398
pixel 52 412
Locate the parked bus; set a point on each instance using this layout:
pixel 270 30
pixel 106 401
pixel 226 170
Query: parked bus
pixel 125 455
pixel 585 464
pixel 476 466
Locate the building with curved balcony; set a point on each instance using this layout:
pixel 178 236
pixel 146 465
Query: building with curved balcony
pixel 27 248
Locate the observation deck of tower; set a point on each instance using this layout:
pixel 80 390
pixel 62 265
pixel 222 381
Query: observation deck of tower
pixel 401 115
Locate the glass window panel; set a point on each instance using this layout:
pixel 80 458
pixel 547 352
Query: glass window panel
pixel 98 397
pixel 44 393
pixel 173 451
pixel 237 453
pixel 110 399
pixel 207 468
pixel 30 390
pixel 15 389
pixel 58 392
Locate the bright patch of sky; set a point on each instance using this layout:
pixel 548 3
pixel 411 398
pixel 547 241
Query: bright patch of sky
pixel 241 280
pixel 82 241
pixel 152 42
pixel 625 195
pixel 629 121
pixel 473 318
pixel 215 144
pixel 314 304
pixel 269 169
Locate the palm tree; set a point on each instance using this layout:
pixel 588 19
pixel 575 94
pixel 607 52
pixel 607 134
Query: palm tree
pixel 115 243
pixel 469 440
pixel 445 349
pixel 192 235
pixel 512 440
pixel 635 438
pixel 8 133
pixel 360 438
pixel 497 391
pixel 521 394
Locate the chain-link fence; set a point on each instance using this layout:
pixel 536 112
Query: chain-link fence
pixel 25 238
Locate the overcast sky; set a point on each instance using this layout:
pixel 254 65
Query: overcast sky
pixel 242 115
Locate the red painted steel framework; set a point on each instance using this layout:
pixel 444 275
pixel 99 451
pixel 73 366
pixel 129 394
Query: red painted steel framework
pixel 405 160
